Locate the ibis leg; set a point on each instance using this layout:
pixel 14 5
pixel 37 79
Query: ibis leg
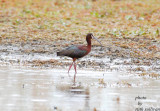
pixel 75 72
pixel 70 68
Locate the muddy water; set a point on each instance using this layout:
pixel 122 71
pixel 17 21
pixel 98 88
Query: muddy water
pixel 26 89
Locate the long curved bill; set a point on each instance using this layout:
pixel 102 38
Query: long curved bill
pixel 96 40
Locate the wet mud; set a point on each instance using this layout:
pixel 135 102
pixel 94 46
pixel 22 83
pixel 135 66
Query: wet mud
pixel 43 54
pixel 33 78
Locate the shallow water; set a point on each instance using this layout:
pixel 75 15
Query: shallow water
pixel 26 89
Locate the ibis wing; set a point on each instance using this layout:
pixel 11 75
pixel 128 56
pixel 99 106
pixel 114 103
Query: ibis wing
pixel 74 52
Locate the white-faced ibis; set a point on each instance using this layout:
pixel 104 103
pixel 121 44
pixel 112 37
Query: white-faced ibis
pixel 77 51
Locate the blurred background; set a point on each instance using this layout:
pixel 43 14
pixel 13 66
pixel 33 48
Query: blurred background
pixel 33 78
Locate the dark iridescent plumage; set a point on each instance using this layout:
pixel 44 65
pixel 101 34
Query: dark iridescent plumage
pixel 77 51
pixel 73 51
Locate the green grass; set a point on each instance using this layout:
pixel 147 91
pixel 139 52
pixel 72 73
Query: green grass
pixel 53 20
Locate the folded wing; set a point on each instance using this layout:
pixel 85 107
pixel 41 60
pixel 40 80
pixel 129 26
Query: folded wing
pixel 73 52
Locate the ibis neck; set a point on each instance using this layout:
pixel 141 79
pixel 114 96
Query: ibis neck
pixel 89 46
pixel 89 43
